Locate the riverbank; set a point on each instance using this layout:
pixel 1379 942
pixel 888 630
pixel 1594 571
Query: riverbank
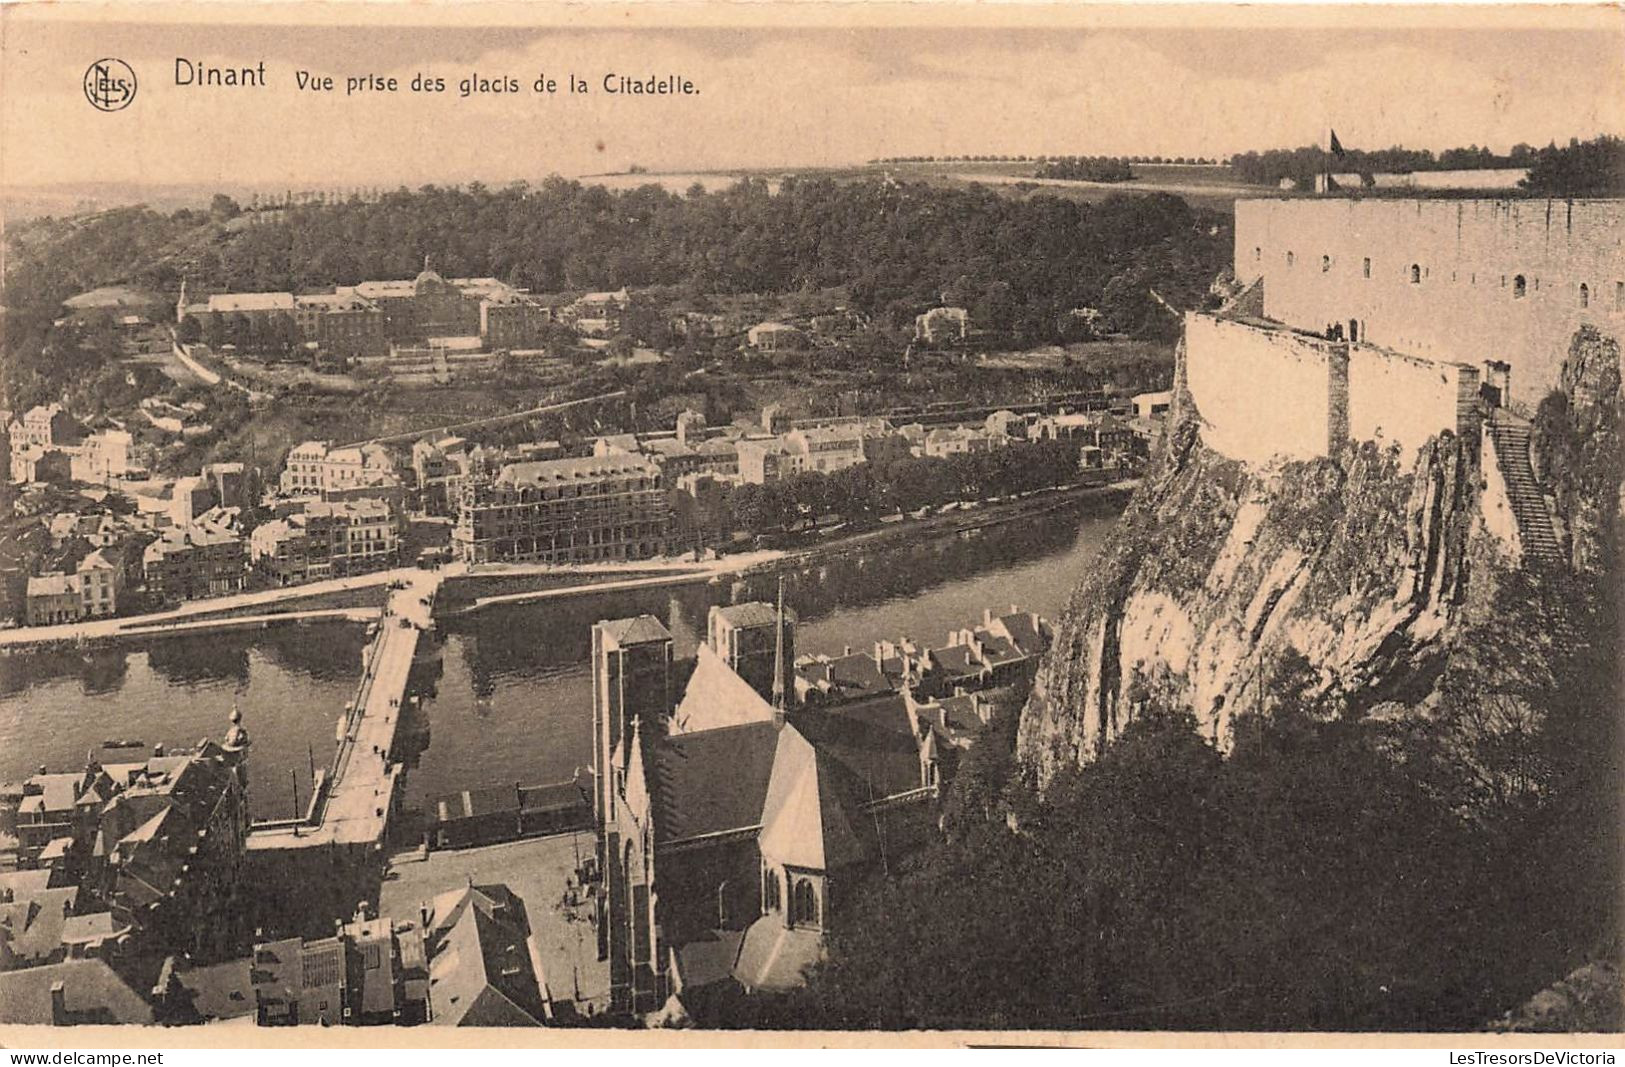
pixel 680 572
pixel 465 588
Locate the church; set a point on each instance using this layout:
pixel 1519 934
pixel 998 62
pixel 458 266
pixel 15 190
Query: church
pixel 733 824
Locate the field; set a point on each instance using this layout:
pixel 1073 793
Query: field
pixel 1204 185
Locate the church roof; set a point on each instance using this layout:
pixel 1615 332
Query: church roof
pixel 871 739
pixel 805 818
pixel 716 696
pixel 712 781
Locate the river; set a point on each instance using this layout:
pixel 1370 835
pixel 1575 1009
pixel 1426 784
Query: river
pixel 513 699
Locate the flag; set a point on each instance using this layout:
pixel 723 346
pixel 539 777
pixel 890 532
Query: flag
pixel 1337 146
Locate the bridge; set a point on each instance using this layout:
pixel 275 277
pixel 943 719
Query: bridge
pixel 353 801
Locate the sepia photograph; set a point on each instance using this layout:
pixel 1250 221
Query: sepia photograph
pixel 808 524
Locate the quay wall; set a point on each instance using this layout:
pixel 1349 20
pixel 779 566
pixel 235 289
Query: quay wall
pixel 1466 281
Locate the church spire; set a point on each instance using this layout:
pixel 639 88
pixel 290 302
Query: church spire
pixel 778 656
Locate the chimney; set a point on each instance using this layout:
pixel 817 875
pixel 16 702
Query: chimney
pixel 987 616
pixel 59 1004
pixel 848 651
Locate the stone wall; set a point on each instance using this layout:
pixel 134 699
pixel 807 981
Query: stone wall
pixel 1397 398
pixel 1261 393
pixel 1441 278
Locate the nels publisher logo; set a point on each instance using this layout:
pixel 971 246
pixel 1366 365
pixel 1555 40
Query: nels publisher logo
pixel 110 84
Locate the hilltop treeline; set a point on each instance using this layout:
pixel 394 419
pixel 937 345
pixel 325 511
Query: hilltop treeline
pixel 1020 264
pixel 1155 160
pixel 1086 169
pixel 894 248
pixel 1581 168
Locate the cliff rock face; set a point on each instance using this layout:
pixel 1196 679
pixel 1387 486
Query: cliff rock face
pixel 1228 586
pixel 1222 576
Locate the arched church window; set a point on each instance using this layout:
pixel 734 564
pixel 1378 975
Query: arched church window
pixel 1289 259
pixel 1325 264
pixel 1366 267
pixel 1519 287
pixel 1416 274
pixel 1585 295
pixel 804 904
pixel 772 899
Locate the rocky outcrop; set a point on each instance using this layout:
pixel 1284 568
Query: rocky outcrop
pixel 1229 588
pixel 1224 576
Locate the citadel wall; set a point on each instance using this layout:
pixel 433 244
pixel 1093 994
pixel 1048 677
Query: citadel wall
pixel 1467 281
pixel 1264 392
pixel 1397 398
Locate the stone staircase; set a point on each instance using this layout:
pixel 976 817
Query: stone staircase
pixel 1510 439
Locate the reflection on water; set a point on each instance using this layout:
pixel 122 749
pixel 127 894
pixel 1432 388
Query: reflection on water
pixel 57 707
pixel 513 698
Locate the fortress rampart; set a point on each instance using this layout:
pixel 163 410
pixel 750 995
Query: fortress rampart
pixel 1267 392
pixel 1262 392
pixel 1464 281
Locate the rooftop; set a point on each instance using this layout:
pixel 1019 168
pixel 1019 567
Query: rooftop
pixel 712 781
pixel 227 302
pixel 638 630
pixel 583 467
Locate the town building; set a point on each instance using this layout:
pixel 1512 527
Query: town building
pixel 690 427
pixel 47 426
pixel 342 324
pixel 317 468
pixel 466 958
pixel 1153 405
pixel 775 337
pixel 53 598
pixel 756 642
pixel 199 560
pixel 942 325
pixel 229 484
pixel 957 441
pixel 1008 424
pixel 1001 651
pixel 1103 439
pixel 103 458
pixel 360 321
pixel 822 449
pixel 136 858
pixel 589 509
pixel 100 583
pixel 327 539
pixel 72 993
pixel 42 464
pixel 599 314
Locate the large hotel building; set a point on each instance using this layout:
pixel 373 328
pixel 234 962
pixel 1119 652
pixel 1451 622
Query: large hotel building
pixel 584 510
pixel 364 319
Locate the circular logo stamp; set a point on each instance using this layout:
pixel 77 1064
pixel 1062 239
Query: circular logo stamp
pixel 110 84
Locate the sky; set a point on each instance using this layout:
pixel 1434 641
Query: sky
pixel 780 85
